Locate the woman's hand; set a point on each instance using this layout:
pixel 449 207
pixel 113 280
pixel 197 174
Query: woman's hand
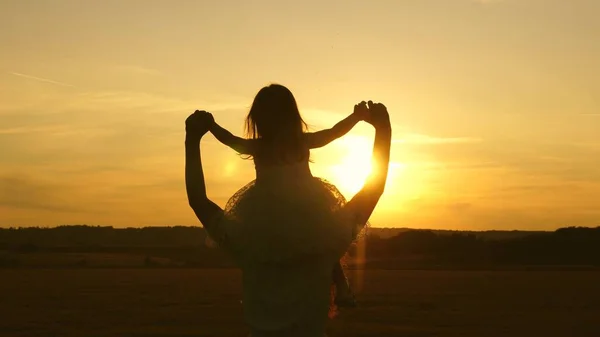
pixel 361 206
pixel 378 115
pixel 198 124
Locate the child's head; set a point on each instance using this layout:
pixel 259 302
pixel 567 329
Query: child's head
pixel 274 114
pixel 274 118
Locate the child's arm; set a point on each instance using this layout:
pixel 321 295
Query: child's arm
pixel 324 137
pixel 241 145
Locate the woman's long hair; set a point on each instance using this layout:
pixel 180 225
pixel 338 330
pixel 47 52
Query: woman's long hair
pixel 275 121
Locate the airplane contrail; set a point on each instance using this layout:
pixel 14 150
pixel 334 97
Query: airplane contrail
pixel 41 79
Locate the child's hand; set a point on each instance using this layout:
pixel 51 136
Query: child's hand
pixel 208 118
pixel 211 120
pixel 199 123
pixel 361 111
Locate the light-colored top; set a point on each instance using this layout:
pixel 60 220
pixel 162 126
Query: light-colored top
pixel 286 244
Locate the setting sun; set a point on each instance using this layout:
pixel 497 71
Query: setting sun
pixel 354 167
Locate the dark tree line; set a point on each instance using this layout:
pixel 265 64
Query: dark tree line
pixel 83 236
pixel 566 246
pixel 573 246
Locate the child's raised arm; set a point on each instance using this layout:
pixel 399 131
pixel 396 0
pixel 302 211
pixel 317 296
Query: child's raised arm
pixel 241 145
pixel 324 137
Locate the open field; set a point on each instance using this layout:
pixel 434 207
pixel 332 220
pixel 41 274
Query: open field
pixel 197 302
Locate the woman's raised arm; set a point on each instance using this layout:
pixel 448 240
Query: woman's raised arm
pixel 197 126
pixel 361 206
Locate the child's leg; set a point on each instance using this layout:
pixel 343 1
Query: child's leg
pixel 343 294
pixel 339 278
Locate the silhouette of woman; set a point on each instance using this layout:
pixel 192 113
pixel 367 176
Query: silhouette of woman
pixel 273 107
pixel 286 237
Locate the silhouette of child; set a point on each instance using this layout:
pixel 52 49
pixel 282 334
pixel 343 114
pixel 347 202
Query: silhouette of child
pixel 277 137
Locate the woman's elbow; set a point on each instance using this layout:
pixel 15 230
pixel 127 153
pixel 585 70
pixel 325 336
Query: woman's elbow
pixel 196 203
pixel 380 189
pixel 375 187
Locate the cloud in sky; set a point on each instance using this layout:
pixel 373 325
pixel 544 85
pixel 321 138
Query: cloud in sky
pixel 443 214
pixel 48 129
pixel 485 2
pixel 137 69
pixel 426 139
pixel 40 79
pixel 24 192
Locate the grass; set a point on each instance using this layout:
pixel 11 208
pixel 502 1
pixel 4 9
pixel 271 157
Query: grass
pixel 200 302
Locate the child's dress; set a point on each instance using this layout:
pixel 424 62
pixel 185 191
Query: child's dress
pixel 286 213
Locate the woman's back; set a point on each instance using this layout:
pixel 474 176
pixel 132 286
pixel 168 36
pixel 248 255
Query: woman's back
pixel 287 299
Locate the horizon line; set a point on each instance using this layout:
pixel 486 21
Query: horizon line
pixel 370 228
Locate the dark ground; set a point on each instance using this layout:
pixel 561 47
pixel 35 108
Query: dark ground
pixel 200 302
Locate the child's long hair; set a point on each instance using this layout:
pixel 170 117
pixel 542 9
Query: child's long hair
pixel 274 120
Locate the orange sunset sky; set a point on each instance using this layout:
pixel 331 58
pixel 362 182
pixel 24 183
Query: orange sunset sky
pixel 495 105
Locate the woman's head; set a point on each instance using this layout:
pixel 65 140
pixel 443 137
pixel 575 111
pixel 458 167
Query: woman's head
pixel 275 119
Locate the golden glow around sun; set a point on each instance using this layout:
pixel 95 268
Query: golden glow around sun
pixel 351 172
